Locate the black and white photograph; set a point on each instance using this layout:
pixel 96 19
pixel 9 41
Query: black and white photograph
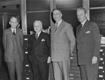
pixel 52 39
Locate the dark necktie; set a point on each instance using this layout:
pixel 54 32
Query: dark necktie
pixel 14 33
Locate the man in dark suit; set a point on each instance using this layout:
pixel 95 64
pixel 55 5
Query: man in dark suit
pixel 88 46
pixel 62 46
pixel 40 51
pixel 13 49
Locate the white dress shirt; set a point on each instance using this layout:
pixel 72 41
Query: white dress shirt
pixel 83 22
pixel 58 24
pixel 38 34
pixel 13 30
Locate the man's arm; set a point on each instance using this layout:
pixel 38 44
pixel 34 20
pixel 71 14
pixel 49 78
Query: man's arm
pixel 96 36
pixel 49 47
pixel 71 37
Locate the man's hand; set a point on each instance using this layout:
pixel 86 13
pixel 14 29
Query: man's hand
pixel 72 54
pixel 94 60
pixel 31 32
pixel 47 30
pixel 49 60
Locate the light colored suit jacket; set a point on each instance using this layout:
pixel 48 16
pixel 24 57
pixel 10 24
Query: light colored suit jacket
pixel 62 41
pixel 13 45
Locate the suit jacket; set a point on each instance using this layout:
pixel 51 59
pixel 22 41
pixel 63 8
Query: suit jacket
pixel 39 48
pixel 88 42
pixel 13 45
pixel 62 41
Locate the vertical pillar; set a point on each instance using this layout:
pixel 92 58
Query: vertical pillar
pixel 24 16
pixel 4 20
pixel 87 7
pixel 52 6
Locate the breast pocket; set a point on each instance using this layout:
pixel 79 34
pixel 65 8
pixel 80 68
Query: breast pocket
pixel 87 35
pixel 87 32
pixel 42 42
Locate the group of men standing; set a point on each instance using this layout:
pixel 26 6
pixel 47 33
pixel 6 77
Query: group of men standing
pixel 56 47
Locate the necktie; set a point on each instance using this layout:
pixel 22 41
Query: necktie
pixel 55 28
pixel 14 32
pixel 36 36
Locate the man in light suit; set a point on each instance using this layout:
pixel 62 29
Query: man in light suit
pixel 88 46
pixel 13 49
pixel 62 46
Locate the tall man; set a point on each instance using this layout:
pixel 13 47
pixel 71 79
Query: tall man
pixel 13 49
pixel 40 51
pixel 62 45
pixel 88 45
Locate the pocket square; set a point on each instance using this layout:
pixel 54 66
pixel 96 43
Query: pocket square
pixel 43 40
pixel 87 32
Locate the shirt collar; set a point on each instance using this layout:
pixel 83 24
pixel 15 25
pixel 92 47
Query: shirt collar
pixel 83 22
pixel 38 33
pixel 13 30
pixel 59 22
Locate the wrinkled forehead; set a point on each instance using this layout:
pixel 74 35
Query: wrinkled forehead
pixel 37 23
pixel 81 11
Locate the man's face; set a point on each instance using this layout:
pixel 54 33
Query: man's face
pixel 13 22
pixel 57 15
pixel 81 15
pixel 37 26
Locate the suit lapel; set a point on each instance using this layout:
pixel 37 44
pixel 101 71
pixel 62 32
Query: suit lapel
pixel 10 30
pixel 10 33
pixel 60 26
pixel 40 36
pixel 78 29
pixel 82 29
pixel 37 41
pixel 56 29
pixel 17 31
pixel 85 26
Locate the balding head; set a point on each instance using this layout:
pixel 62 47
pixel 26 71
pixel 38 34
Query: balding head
pixel 37 26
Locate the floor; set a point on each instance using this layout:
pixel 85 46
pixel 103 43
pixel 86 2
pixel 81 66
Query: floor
pixel 27 74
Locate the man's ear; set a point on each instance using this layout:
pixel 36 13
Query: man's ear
pixel 87 16
pixel 61 14
pixel 9 23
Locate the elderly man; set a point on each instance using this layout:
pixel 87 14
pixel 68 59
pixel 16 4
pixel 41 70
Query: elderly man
pixel 88 46
pixel 40 51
